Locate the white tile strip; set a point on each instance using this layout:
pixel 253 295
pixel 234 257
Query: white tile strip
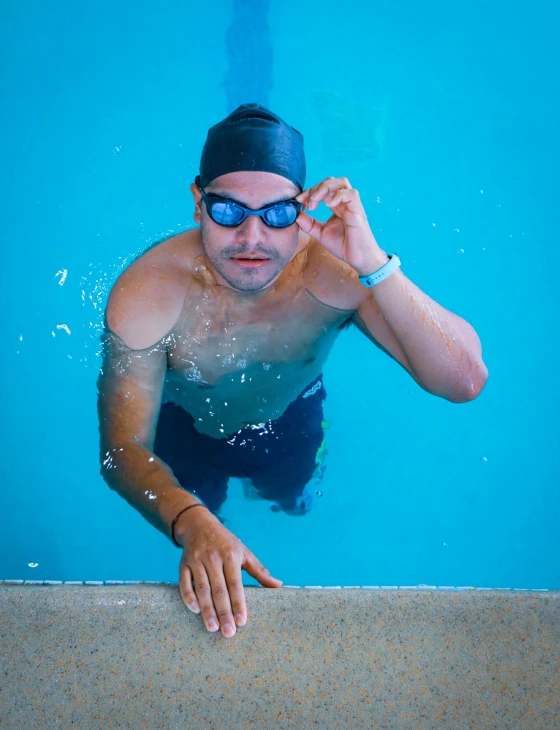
pixel 420 587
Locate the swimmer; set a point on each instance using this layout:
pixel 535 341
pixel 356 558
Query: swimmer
pixel 215 342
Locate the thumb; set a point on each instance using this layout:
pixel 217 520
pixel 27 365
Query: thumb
pixel 258 571
pixel 309 225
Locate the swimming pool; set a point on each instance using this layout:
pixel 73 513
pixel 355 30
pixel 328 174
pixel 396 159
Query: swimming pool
pixel 445 120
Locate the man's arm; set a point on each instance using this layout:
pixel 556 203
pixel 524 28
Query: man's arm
pixel 129 398
pixel 130 388
pixel 440 350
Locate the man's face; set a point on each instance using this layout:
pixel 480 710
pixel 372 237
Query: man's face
pixel 251 255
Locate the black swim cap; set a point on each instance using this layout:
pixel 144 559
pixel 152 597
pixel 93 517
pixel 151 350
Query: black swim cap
pixel 252 138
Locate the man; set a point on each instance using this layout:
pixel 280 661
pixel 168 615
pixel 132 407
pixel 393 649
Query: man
pixel 216 339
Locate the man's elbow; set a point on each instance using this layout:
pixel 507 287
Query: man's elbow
pixel 473 386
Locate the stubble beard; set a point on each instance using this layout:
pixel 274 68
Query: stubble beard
pixel 249 279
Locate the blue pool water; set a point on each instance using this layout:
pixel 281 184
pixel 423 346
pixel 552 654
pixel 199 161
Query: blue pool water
pixel 445 117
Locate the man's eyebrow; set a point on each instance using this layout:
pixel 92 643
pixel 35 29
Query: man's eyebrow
pixel 227 194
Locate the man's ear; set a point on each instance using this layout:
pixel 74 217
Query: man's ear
pixel 197 195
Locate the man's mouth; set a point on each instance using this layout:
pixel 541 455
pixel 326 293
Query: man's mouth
pixel 250 262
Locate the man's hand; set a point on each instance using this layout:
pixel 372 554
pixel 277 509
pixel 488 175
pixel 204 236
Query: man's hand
pixel 346 234
pixel 213 557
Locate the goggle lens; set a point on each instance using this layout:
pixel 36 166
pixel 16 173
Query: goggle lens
pixel 226 214
pixel 281 216
pixel 230 214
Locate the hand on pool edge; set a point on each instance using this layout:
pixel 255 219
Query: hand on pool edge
pixel 214 557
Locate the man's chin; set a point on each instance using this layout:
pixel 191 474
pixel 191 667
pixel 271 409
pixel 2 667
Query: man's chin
pixel 251 279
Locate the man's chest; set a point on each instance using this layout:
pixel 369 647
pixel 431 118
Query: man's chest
pixel 212 343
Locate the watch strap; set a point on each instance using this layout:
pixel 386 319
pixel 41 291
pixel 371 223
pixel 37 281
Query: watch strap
pixel 382 273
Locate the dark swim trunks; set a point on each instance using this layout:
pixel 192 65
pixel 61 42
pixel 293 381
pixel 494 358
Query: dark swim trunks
pixel 279 457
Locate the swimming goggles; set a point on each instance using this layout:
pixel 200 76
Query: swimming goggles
pixel 226 212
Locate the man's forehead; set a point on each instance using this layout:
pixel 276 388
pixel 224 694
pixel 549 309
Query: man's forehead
pixel 242 196
pixel 250 192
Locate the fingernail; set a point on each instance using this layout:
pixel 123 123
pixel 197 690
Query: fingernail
pixel 228 630
pixel 194 607
pixel 240 619
pixel 212 625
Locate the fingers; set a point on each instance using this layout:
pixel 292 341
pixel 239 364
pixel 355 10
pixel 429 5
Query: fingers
pixel 258 571
pixel 232 573
pixel 217 594
pixel 212 593
pixel 323 191
pixel 309 225
pixel 186 589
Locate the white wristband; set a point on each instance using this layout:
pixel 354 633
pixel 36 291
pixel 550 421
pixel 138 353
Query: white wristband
pixel 382 273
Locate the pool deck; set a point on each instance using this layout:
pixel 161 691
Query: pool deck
pixel 132 656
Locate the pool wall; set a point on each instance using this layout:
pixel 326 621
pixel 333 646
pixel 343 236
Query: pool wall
pixel 131 655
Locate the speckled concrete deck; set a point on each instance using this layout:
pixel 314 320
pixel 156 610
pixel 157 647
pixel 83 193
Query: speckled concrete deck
pixel 134 657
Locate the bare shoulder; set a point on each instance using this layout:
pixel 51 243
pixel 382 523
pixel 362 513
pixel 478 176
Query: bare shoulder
pixel 148 296
pixel 330 280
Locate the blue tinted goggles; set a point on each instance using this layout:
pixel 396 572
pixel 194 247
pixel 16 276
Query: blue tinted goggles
pixel 226 212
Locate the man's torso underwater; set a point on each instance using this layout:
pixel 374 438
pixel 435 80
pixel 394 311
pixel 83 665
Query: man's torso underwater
pixel 235 361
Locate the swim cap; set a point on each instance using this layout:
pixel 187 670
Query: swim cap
pixel 252 138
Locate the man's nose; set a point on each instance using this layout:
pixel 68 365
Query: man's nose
pixel 251 230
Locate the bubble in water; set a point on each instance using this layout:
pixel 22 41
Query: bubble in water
pixel 266 366
pixel 228 360
pixel 241 364
pixel 63 273
pixel 318 493
pixel 33 565
pixel 193 374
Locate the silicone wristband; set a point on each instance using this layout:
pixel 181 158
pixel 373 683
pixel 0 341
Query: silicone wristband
pixel 382 273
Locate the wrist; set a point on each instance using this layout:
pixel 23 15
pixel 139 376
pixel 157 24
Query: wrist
pixel 185 521
pixel 374 261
